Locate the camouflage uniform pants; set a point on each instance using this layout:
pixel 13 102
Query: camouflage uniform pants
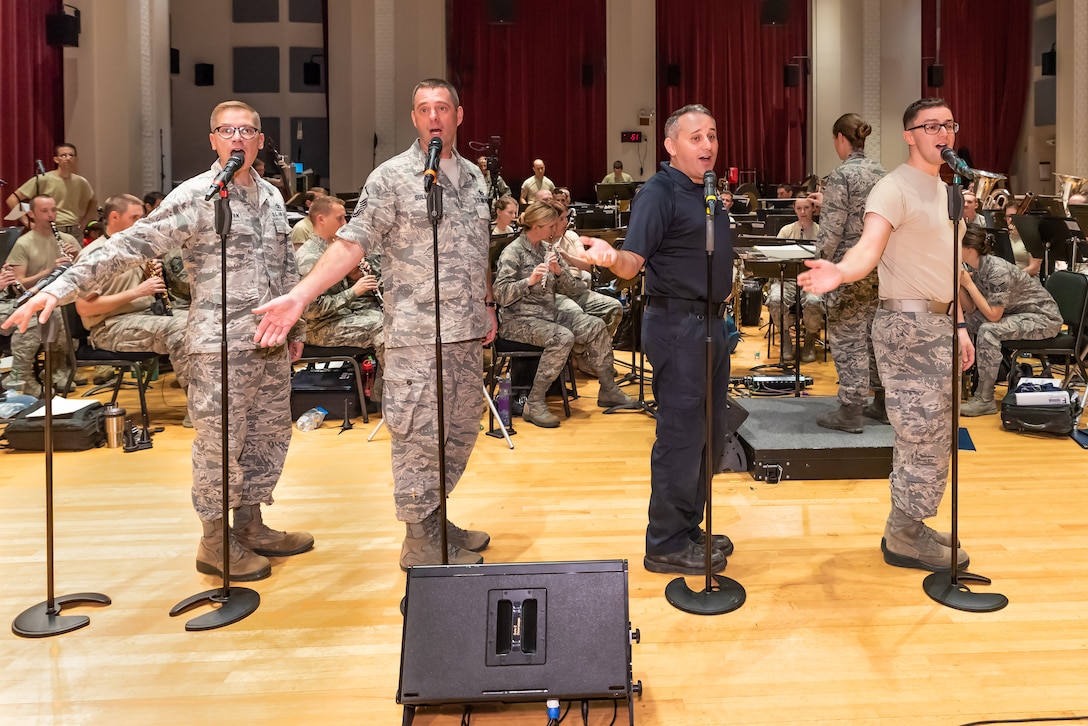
pixel 779 305
pixel 410 410
pixel 138 332
pixel 361 329
pixel 557 338
pixel 914 354
pixel 259 400
pixel 24 350
pixel 987 337
pixel 608 309
pixel 850 312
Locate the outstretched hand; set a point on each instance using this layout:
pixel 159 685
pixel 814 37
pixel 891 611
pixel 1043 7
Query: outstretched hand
pixel 280 314
pixel 822 276
pixel 43 302
pixel 598 252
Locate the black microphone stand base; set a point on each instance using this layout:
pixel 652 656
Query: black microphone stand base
pixel 950 592
pixel 724 596
pixel 233 604
pixel 42 621
pixel 637 406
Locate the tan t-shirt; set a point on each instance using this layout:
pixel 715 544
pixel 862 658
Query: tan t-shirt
pixel 126 280
pixel 72 195
pixel 918 263
pixel 38 251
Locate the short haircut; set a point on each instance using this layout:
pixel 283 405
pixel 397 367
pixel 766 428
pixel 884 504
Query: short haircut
pixel 64 145
pixel 226 105
pixel 324 205
pixel 120 203
pixel 153 198
pixel 436 83
pixel 918 106
pixel 674 119
pixel 505 201
pixel 617 164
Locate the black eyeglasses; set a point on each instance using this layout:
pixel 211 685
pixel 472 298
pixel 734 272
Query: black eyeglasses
pixel 227 132
pixel 932 128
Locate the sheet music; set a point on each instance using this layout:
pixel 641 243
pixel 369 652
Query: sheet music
pixel 787 252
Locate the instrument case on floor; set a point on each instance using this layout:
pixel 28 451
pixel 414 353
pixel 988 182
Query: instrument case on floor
pixel 1038 418
pixel 328 388
pixel 84 429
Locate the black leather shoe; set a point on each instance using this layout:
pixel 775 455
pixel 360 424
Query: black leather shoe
pixel 720 543
pixel 689 561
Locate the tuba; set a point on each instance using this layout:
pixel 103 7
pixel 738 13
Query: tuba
pixel 1068 185
pixel 989 196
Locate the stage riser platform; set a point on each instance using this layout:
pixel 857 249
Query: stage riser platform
pixel 782 440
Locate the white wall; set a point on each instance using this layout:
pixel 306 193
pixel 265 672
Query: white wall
pixel 836 46
pixel 632 86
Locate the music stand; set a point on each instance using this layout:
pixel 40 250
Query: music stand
pixel 1031 229
pixel 612 193
pixel 8 237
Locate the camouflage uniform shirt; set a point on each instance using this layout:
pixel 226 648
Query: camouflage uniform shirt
pixel 397 225
pixel 331 305
pixel 842 214
pixel 512 289
pixel 260 261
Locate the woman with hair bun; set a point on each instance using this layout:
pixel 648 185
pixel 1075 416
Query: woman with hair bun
pixel 1000 302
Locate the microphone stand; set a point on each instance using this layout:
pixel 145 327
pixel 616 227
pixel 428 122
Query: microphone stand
pixel 232 603
pixel 949 589
pixel 434 212
pixel 44 619
pixel 720 594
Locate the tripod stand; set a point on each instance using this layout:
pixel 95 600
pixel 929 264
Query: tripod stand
pixel 44 619
pixel 639 405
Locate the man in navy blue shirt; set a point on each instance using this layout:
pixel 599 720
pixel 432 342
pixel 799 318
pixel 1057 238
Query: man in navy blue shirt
pixel 667 236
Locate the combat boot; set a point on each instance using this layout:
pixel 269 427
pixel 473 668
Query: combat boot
pixel 423 546
pixel 945 538
pixel 808 350
pixel 610 394
pixel 789 352
pixel 909 543
pixel 847 417
pixel 473 540
pixel 245 565
pixel 536 412
pixel 251 532
pixel 877 410
pixel 978 406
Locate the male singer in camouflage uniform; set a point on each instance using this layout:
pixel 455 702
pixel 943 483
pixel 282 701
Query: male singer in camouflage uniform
pixel 908 233
pixel 348 313
pixel 851 307
pixel 529 275
pixel 120 318
pixel 260 265
pixel 33 257
pixel 392 217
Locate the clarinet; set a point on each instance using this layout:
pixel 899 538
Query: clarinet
pixel 161 305
pixel 364 267
pixel 17 287
pixel 60 243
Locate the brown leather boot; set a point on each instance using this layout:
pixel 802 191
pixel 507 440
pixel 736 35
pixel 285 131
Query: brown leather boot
pixel 423 546
pixel 251 531
pixel 245 565
pixel 845 418
pixel 910 543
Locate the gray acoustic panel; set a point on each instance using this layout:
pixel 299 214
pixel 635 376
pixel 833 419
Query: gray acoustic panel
pixel 1044 35
pixel 313 148
pixel 305 11
pixel 1046 101
pixel 255 11
pixel 300 56
pixel 257 70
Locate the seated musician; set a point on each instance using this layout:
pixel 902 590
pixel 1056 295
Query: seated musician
pixel 348 314
pixel 970 210
pixel 304 228
pixel 7 297
pixel 529 276
pixel 1000 302
pixel 128 315
pixel 781 298
pixel 506 214
pixel 1024 260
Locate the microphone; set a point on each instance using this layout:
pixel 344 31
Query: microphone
pixel 42 283
pixel 41 166
pixel 710 191
pixel 434 151
pixel 956 164
pixel 234 163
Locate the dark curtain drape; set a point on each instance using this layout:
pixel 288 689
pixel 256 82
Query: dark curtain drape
pixel 720 55
pixel 986 53
pixel 538 83
pixel 31 91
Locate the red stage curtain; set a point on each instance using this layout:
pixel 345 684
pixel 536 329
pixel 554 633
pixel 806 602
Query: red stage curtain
pixel 31 91
pixel 986 53
pixel 725 59
pixel 539 83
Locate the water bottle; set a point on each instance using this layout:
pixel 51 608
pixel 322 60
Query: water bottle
pixel 502 400
pixel 311 419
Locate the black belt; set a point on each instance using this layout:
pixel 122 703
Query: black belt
pixel 681 305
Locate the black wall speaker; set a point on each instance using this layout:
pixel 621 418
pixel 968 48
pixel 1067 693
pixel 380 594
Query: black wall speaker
pixel 791 75
pixel 935 76
pixel 204 74
pixel 774 12
pixel 515 632
pixel 1050 63
pixel 502 12
pixel 175 62
pixel 311 73
pixel 672 75
pixel 62 30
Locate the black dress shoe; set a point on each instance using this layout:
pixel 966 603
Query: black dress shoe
pixel 689 561
pixel 720 543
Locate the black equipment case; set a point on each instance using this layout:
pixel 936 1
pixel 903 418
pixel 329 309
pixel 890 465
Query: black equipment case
pixel 327 388
pixel 1038 419
pixel 78 431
